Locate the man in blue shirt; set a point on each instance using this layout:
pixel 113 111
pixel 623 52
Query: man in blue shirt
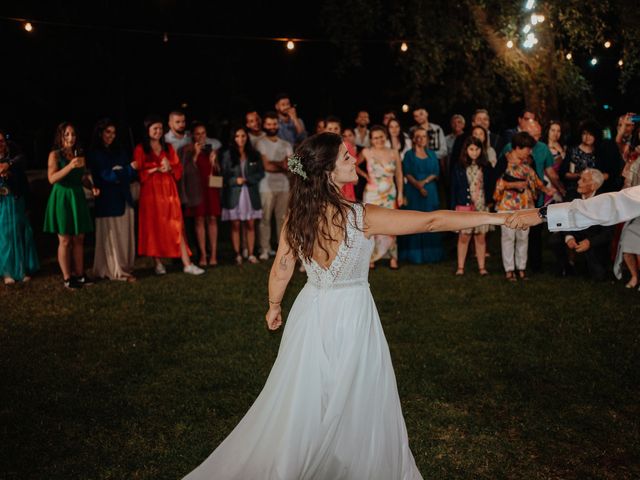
pixel 290 127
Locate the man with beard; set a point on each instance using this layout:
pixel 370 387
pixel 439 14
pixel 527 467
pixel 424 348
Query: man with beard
pixel 290 126
pixel 253 123
pixel 274 187
pixel 178 135
pixel 437 142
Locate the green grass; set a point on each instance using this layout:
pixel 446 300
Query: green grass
pixel 537 380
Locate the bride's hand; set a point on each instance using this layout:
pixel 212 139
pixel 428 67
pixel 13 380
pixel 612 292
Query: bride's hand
pixel 274 317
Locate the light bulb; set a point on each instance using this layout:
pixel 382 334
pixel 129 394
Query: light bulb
pixel 404 47
pixel 405 108
pixel 607 44
pixel 28 27
pixel 291 45
pixel 594 61
pixel 527 28
pixel 509 44
pixel 568 56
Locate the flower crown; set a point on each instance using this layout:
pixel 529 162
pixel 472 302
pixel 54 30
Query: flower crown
pixel 295 166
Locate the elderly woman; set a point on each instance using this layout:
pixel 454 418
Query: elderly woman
pixel 67 213
pixel 112 172
pixel 18 258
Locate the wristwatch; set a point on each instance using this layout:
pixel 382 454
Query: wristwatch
pixel 542 213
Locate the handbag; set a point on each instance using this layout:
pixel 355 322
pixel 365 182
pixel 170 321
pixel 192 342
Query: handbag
pixel 215 181
pixel 465 208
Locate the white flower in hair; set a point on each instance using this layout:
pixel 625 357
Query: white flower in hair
pixel 295 166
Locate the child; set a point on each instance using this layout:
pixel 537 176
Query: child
pixel 470 183
pixel 516 190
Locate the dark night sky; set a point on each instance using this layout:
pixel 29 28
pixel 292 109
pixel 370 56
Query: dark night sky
pixel 59 73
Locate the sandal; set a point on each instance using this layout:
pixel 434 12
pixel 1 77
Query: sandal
pixel 511 277
pixel 393 264
pixel 252 259
pixel 238 259
pixel 631 284
pixel 522 275
pixel 483 272
pixel 460 272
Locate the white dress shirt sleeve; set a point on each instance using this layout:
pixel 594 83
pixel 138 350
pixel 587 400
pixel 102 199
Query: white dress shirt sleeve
pixel 604 209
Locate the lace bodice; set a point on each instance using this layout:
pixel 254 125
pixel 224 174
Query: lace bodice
pixel 351 264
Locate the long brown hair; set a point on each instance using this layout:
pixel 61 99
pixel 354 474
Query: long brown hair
pixel 58 139
pixel 310 198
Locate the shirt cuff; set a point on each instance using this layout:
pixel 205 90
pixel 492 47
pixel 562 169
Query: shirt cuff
pixel 558 217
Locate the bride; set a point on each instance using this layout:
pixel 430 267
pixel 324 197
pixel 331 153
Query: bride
pixel 330 408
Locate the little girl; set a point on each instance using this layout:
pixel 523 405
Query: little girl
pixel 516 190
pixel 471 190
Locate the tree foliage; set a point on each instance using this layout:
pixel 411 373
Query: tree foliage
pixel 458 49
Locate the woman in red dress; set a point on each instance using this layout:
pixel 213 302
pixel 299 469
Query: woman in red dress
pixel 206 159
pixel 160 223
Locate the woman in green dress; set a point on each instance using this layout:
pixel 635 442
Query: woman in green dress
pixel 67 212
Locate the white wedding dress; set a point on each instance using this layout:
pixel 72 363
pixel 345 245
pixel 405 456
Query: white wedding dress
pixel 330 408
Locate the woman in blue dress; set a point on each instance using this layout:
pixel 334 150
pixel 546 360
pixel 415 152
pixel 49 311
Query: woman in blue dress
pixel 18 258
pixel 421 169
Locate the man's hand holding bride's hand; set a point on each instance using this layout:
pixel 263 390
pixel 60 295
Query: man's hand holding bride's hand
pixel 523 219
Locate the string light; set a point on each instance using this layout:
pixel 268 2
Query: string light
pixel 527 28
pixel 404 47
pixel 607 44
pixel 530 4
pixel 540 18
pixel 28 27
pixel 509 44
pixel 405 108
pixel 569 56
pixel 534 18
pixel 594 61
pixel 620 63
pixel 291 45
pixel 165 37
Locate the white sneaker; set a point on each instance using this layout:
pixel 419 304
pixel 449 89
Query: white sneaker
pixel 264 256
pixel 160 270
pixel 193 269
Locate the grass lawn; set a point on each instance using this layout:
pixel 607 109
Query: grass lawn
pixel 534 380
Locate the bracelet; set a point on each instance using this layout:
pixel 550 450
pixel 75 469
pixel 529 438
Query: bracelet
pixel 275 303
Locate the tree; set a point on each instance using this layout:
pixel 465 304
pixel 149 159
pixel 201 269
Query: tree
pixel 459 52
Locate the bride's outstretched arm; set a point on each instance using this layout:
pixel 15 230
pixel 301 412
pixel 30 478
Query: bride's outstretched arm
pixel 385 221
pixel 281 272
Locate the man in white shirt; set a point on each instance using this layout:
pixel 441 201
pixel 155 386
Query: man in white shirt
pixel 362 131
pixel 253 123
pixel 178 135
pixel 274 187
pixel 437 142
pixel 604 209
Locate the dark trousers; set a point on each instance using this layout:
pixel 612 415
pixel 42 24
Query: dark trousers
pixel 595 258
pixel 534 253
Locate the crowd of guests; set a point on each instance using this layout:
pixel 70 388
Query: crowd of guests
pixel 179 182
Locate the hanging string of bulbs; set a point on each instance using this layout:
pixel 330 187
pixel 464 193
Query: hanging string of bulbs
pixel 289 43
